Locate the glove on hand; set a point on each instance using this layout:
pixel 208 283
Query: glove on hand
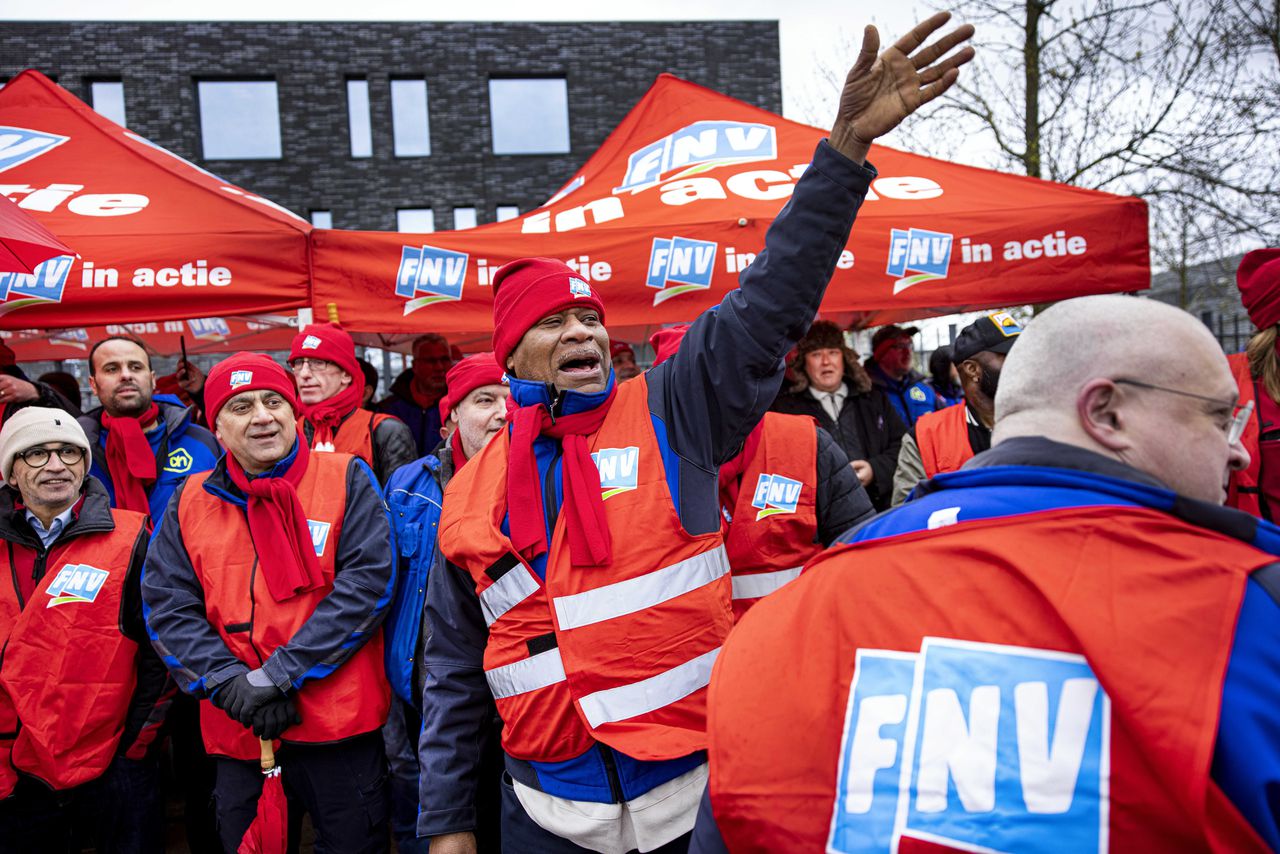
pixel 244 695
pixel 272 719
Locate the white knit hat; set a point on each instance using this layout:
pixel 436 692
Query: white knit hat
pixel 36 425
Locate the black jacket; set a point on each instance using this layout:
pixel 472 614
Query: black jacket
pixel 842 502
pixel 869 429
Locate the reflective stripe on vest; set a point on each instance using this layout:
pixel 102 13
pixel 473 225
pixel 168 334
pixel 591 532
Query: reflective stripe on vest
pixel 638 698
pixel 640 593
pixel 521 677
pixel 509 590
pixel 761 584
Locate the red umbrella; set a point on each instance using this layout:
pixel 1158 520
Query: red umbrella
pixel 24 243
pixel 269 833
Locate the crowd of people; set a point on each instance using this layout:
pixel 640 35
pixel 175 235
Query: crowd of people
pixel 761 595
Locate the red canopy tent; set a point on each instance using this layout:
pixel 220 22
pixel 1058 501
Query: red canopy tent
pixel 159 238
pixel 676 202
pixel 203 335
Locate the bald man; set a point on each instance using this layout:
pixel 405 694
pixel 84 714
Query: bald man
pixel 1070 643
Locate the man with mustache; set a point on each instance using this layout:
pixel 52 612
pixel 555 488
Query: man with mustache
pixel 946 439
pixel 588 591
pixel 266 586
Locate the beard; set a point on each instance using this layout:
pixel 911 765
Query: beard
pixel 989 382
pixel 132 408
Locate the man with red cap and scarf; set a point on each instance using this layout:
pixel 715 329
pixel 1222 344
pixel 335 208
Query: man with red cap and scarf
pixel 265 588
pixel 1256 489
pixel 587 590
pixel 331 390
pixel 415 494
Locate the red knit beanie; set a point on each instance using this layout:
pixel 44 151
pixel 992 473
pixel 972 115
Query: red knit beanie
pixel 327 341
pixel 245 372
pixel 666 342
pixel 528 290
pixel 1259 281
pixel 472 373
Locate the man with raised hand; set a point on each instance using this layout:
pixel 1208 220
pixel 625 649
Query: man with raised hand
pixel 266 586
pixel 1069 644
pixel 588 591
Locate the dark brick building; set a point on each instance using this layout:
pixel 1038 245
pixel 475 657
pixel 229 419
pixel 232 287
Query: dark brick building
pixel 604 69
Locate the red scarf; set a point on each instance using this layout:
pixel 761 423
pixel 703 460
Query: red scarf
pixel 326 416
pixel 131 462
pixel 278 526
pixel 590 543
pixel 455 445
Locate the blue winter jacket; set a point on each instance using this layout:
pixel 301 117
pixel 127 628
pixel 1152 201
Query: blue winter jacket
pixel 912 395
pixel 702 402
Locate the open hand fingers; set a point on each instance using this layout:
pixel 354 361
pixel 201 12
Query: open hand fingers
pixel 922 31
pixel 870 50
pixel 937 71
pixel 927 56
pixel 933 90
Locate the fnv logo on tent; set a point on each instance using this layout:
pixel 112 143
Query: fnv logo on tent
pixel 76 582
pixel 680 265
pixel 1005 749
pixel 77 338
pixel 619 469
pixel 775 494
pixel 18 145
pixel 917 255
pixel 697 148
pixel 44 285
pixel 209 329
pixel 438 273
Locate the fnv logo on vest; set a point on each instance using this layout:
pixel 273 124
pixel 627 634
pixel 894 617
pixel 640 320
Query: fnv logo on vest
pixel 775 494
pixel 917 255
pixel 437 273
pixel 18 145
pixel 619 469
pixel 982 747
pixel 239 378
pixel 44 285
pixel 680 265
pixel 319 535
pixel 697 148
pixel 209 329
pixel 76 582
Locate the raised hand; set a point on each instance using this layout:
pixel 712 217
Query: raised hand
pixel 882 90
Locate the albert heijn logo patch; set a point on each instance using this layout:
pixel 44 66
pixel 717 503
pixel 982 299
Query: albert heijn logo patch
pixel 980 747
pixel 438 274
pixel 776 494
pixel 18 145
pixel 76 582
pixel 619 469
pixel 319 535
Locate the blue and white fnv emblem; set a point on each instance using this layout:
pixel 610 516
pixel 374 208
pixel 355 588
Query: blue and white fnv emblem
pixel 18 145
pixel 981 747
pixel 76 582
pixel 319 536
pixel 680 265
pixel 579 288
pixel 209 328
pixel 775 494
pixel 44 284
pixel 311 342
pixel 619 469
pixel 917 255
pixel 437 273
pixel 241 378
pixel 697 148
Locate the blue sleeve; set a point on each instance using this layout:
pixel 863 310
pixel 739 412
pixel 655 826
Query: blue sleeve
pixel 729 366
pixel 457 706
pixel 363 583
pixel 1246 761
pixel 706 834
pixel 173 607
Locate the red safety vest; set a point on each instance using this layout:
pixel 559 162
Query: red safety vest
pixel 1075 588
pixel 622 653
pixel 943 439
pixel 774 519
pixel 351 700
pixel 68 673
pixel 355 435
pixel 1244 491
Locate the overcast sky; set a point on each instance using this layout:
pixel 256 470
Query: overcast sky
pixel 813 32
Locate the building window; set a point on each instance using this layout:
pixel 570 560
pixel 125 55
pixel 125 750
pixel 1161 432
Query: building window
pixel 358 118
pixel 464 218
pixel 506 212
pixel 108 99
pixel 529 116
pixel 239 119
pixel 415 220
pixel 322 219
pixel 410 125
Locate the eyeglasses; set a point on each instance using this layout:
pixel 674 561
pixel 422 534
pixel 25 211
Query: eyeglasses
pixel 317 366
pixel 38 458
pixel 1240 415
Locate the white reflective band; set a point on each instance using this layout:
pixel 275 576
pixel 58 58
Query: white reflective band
pixel 636 594
pixel 532 673
pixel 762 584
pixel 516 585
pixel 638 698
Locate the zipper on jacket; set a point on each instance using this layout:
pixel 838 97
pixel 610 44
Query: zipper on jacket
pixel 611 772
pixel 253 609
pixel 549 494
pixel 13 573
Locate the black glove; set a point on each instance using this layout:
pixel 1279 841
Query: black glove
pixel 239 698
pixel 272 719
